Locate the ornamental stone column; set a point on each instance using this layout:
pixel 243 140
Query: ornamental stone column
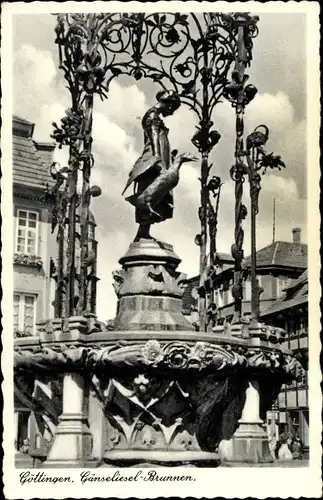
pixel 250 441
pixel 250 412
pixel 73 440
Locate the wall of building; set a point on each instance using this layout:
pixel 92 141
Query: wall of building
pixel 273 287
pixel 35 280
pixel 293 399
pixel 293 404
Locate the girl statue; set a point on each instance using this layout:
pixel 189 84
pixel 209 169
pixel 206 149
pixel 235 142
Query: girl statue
pixel 156 172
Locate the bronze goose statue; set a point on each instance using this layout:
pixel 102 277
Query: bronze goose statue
pixel 165 182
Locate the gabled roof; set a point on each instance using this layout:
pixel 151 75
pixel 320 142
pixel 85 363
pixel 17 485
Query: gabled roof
pixel 28 167
pixel 295 295
pixel 298 284
pixel 225 257
pixel 17 119
pixel 282 253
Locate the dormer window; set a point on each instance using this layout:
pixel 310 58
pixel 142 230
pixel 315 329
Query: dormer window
pixel 27 232
pixel 282 284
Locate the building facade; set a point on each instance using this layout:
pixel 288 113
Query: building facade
pixel 190 296
pixel 291 313
pixel 33 243
pixel 278 266
pixel 34 258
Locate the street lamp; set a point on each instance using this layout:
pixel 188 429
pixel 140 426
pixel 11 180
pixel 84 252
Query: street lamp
pixel 192 54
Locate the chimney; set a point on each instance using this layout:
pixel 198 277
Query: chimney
pixel 296 235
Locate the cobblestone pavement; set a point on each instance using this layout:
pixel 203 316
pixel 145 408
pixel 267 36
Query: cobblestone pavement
pixel 277 463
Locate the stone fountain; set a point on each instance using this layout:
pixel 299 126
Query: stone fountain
pixel 152 390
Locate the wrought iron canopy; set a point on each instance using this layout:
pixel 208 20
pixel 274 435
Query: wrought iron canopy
pixel 194 54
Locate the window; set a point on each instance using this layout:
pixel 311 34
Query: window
pixel 27 228
pixel 230 296
pixel 294 421
pixel 24 313
pixel 303 326
pixel 282 284
pixel 247 290
pixel 227 295
pixel 219 298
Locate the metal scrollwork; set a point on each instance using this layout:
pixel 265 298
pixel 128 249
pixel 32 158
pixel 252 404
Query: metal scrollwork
pixel 189 53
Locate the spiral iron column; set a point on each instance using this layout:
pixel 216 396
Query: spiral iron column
pixel 70 250
pixel 255 288
pixel 84 208
pixel 240 212
pixel 240 94
pixel 203 241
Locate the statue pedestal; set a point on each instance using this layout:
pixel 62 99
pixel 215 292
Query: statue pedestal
pixel 248 445
pixel 150 289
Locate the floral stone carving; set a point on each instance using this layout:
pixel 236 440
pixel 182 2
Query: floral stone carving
pixel 166 400
pixel 175 356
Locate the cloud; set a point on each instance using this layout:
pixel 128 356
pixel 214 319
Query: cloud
pixel 40 97
pixel 291 211
pixel 35 75
pixel 279 58
pixel 39 63
pixel 125 104
pixel 287 135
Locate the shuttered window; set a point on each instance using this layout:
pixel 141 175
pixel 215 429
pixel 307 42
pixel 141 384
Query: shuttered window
pixel 24 313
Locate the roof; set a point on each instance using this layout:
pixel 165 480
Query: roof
pixel 295 295
pixel 282 253
pixel 17 119
pixel 225 256
pixel 28 167
pixel 283 306
pixel 91 218
pixel 301 281
pixel 48 145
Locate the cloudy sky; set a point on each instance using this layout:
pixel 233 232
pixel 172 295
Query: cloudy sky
pixel 278 71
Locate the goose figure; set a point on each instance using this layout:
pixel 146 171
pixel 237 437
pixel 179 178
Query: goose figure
pixel 148 175
pixel 163 184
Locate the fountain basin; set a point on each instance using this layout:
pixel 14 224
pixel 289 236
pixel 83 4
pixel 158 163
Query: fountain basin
pixel 160 397
pixel 153 390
